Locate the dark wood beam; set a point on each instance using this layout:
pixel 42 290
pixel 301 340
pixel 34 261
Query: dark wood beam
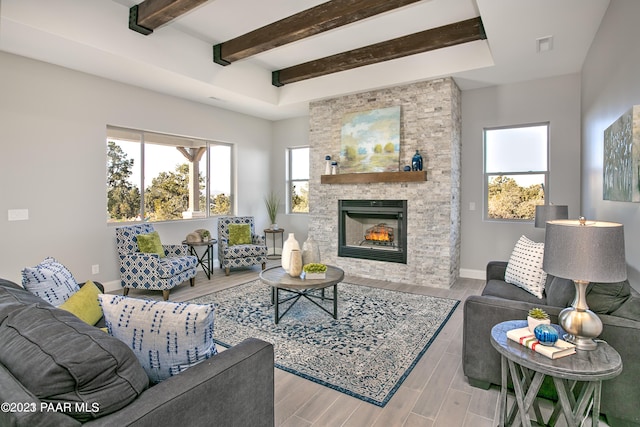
pixel 318 19
pixel 435 38
pixel 151 14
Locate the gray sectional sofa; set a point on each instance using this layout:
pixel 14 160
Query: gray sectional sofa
pixel 617 305
pixel 56 370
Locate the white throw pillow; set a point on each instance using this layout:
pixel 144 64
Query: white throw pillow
pixel 167 337
pixel 50 281
pixel 525 267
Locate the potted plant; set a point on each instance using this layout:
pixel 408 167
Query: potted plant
pixel 315 270
pixel 205 234
pixel 272 202
pixel 537 316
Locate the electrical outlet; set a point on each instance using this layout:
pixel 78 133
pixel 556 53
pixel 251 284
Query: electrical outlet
pixel 18 214
pixel 95 269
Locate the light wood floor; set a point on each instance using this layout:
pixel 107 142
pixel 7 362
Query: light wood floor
pixel 436 393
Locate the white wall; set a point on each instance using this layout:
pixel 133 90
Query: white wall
pixel 610 87
pixel 52 162
pixel 288 133
pixel 52 132
pixel 556 100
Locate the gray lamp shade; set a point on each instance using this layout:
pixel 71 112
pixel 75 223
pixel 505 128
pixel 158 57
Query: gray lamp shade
pixel 546 213
pixel 593 252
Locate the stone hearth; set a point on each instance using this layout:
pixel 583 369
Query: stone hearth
pixel 431 123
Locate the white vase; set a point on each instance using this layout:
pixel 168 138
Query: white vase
pixel 287 246
pixel 310 251
pixel 295 263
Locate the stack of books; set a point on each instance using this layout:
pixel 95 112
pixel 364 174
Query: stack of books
pixel 525 337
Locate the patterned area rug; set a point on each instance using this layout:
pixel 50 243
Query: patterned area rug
pixel 367 352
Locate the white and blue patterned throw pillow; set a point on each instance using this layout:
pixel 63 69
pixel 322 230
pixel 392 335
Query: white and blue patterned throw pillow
pixel 167 337
pixel 525 267
pixel 50 281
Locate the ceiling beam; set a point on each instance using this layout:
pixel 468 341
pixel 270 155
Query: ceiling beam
pixel 151 14
pixel 324 17
pixel 424 41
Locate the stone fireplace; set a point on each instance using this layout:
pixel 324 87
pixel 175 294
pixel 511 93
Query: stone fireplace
pixel 430 122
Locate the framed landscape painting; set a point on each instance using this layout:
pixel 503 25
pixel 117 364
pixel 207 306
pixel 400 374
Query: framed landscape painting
pixel 621 165
pixel 370 141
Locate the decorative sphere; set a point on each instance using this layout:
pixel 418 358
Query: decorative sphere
pixel 546 334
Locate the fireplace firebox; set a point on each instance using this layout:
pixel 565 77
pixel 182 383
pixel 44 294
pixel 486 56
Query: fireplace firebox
pixel 373 229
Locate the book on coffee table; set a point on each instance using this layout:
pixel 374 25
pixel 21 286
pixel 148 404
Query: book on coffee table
pixel 525 337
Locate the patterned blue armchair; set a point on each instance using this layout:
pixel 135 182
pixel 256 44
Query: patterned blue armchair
pixel 150 271
pixel 240 255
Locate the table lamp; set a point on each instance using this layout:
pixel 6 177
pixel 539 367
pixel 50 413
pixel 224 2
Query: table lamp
pixel 546 213
pixel 584 251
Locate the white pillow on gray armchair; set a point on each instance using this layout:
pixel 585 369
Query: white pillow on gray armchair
pixel 525 267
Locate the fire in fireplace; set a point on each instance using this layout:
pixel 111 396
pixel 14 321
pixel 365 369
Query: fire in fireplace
pixel 379 234
pixel 373 229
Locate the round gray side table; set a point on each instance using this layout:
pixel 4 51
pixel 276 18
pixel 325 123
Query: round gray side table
pixel 585 369
pixel 205 260
pixel 279 232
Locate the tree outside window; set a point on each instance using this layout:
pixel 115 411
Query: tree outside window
pixel 298 179
pixel 516 171
pixel 173 172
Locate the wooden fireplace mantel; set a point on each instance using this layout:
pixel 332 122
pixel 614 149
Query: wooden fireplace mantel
pixel 375 177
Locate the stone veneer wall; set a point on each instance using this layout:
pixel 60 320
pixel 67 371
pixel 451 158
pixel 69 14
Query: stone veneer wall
pixel 431 123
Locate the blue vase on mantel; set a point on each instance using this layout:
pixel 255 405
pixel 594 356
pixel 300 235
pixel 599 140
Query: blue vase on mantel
pixel 416 162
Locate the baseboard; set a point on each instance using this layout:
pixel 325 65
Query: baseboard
pixel 112 286
pixel 473 274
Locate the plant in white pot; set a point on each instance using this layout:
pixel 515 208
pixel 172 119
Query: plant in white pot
pixel 272 202
pixel 315 270
pixel 204 234
pixel 537 316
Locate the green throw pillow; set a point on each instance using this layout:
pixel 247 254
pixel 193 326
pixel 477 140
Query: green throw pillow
pixel 239 234
pixel 84 304
pixel 150 243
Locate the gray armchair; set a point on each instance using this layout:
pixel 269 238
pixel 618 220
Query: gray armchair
pixel 252 251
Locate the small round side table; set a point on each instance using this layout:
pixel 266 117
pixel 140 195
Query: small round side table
pixel 273 233
pixel 585 369
pixel 206 259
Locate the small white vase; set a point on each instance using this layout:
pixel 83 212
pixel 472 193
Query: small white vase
pixel 295 263
pixel 533 322
pixel 287 246
pixel 310 251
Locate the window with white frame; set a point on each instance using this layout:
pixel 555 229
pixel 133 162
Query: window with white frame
pixel 516 171
pixel 159 177
pixel 298 180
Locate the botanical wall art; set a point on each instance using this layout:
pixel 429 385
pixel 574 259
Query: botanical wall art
pixel 621 168
pixel 370 141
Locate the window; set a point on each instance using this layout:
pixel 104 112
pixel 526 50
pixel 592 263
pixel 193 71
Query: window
pixel 181 177
pixel 298 180
pixel 515 171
